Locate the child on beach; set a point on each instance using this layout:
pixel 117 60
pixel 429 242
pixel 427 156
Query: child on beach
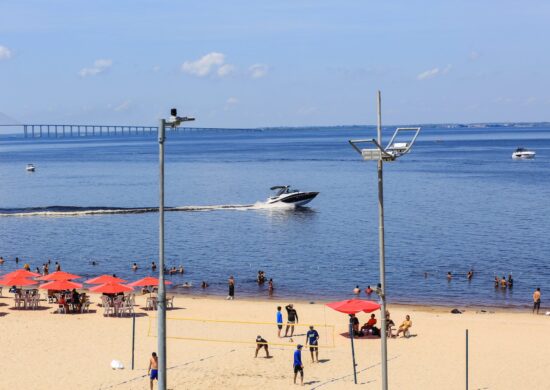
pixel 279 321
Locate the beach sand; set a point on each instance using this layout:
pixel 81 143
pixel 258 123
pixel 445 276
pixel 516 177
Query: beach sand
pixel 42 350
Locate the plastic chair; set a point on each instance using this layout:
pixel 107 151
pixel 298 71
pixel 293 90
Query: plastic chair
pixel 170 302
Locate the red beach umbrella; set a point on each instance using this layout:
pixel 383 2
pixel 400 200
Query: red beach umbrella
pixel 105 279
pixel 60 285
pixel 60 275
pixel 21 272
pixel 352 306
pixel 148 281
pixel 111 288
pixel 17 281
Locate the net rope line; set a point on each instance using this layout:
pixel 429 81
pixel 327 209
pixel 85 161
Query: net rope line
pixel 292 344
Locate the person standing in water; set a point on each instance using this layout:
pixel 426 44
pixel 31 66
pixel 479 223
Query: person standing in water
pixel 270 286
pixel 231 285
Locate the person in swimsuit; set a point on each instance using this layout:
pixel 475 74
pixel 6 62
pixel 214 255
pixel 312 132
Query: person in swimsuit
pixel 503 282
pixel 298 366
pixel 1 260
pixel 510 281
pixel 368 290
pixel 134 267
pixel 536 300
pixel 153 369
pixel 449 275
pixel 261 343
pixel 470 275
pixel 357 290
pixel 292 318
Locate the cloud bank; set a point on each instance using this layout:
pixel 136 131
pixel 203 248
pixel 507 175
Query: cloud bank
pixel 5 53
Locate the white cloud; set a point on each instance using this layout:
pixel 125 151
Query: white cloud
pixel 5 53
pixel 204 65
pixel 433 72
pixel 156 68
pixel 232 100
pixel 258 71
pixel 99 66
pixel 225 70
pixel 125 105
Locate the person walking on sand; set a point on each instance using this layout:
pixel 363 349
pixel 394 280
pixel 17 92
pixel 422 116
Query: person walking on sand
pixel 231 284
pixel 153 369
pixel 536 300
pixel 291 319
pixel 298 366
pixel 279 321
pixel 312 338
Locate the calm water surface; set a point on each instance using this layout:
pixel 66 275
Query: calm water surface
pixel 458 201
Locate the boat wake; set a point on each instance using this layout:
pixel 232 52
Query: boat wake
pixel 76 211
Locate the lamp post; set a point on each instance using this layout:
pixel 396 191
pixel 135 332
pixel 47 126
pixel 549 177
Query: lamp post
pixel 173 121
pixel 390 153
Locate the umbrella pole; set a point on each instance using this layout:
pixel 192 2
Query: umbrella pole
pixel 133 337
pixel 353 352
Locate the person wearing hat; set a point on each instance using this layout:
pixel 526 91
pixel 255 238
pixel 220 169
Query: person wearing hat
pixel 298 366
pixel 261 343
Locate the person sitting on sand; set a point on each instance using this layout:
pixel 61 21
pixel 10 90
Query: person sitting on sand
pixel 404 327
pixel 357 290
pixel 368 290
pixel 261 343
pixel 134 267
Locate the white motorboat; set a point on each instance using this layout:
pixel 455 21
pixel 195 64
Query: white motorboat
pixel 285 195
pixel 30 168
pixel 523 154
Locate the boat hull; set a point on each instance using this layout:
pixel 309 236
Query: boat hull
pixel 296 199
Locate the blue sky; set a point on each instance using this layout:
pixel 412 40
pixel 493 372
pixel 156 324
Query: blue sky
pixel 279 63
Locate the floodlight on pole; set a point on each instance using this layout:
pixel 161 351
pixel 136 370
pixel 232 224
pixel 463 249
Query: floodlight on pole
pixel 391 152
pixel 173 121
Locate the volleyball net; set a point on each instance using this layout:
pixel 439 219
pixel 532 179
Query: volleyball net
pixel 239 332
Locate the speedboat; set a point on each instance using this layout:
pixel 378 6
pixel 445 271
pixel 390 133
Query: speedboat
pixel 523 154
pixel 30 168
pixel 285 195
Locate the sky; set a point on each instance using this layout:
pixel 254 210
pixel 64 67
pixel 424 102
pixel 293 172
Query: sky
pixel 274 63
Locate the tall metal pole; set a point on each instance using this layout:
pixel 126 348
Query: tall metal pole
pixel 467 381
pixel 353 353
pixel 161 304
pixel 382 254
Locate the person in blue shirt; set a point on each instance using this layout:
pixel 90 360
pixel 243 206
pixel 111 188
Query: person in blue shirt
pixel 298 366
pixel 312 338
pixel 279 320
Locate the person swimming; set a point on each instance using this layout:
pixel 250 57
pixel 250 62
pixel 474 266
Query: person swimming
pixel 181 270
pixel 449 275
pixel 470 275
pixel 503 282
pixel 510 281
pixel 357 290
pixel 134 267
pixel 204 284
pixel 153 266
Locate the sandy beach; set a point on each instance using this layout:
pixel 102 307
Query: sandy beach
pixel 211 345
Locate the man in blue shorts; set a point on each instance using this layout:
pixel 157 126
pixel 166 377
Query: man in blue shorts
pixel 312 337
pixel 153 371
pixel 298 366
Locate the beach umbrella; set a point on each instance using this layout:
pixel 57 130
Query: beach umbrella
pixel 21 272
pixel 148 281
pixel 60 285
pixel 111 288
pixel 105 279
pixel 17 281
pixel 60 275
pixel 352 306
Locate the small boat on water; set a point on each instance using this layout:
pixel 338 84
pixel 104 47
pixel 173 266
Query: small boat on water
pixel 523 154
pixel 30 168
pixel 292 197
